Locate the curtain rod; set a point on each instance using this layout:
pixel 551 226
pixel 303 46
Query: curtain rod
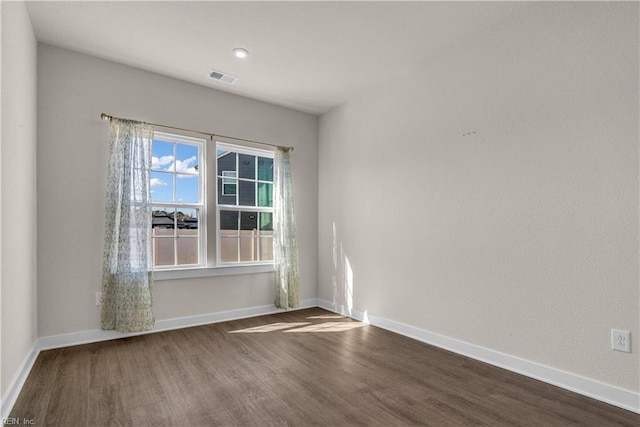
pixel 105 116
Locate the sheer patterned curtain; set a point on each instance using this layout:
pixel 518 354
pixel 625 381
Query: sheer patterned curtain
pixel 285 248
pixel 127 266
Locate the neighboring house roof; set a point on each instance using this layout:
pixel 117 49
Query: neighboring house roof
pixel 166 221
pixel 162 221
pixel 190 223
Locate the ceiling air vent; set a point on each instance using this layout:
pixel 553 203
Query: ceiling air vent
pixel 223 77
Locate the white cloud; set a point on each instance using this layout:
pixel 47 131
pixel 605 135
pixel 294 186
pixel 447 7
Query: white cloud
pixel 167 163
pixel 158 162
pixel 187 165
pixel 157 182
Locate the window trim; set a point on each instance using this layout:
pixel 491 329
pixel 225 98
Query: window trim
pixel 219 270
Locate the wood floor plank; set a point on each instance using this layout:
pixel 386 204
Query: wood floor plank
pixel 71 384
pixel 39 386
pixel 299 368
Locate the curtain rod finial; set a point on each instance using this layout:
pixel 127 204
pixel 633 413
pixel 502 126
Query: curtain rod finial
pixel 105 116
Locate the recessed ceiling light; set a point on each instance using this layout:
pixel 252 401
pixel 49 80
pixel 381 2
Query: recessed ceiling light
pixel 240 53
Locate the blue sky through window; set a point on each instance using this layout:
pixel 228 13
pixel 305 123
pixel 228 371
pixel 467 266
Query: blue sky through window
pixel 174 173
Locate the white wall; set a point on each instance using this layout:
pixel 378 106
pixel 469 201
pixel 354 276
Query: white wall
pixel 18 190
pixel 522 237
pixel 73 89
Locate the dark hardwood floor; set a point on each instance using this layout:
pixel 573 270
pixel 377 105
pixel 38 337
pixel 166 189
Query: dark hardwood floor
pixel 307 367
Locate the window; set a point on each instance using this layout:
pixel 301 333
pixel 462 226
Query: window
pixel 244 204
pixel 229 187
pixel 235 198
pixel 177 195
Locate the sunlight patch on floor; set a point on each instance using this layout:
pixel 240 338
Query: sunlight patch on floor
pixel 327 316
pixel 304 326
pixel 271 328
pixel 328 327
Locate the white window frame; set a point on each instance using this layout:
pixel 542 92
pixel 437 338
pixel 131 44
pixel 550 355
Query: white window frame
pixel 208 222
pixel 200 207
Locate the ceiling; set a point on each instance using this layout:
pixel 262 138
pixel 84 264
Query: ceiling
pixel 310 56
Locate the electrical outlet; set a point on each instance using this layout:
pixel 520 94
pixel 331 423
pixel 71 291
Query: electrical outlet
pixel 98 298
pixel 621 340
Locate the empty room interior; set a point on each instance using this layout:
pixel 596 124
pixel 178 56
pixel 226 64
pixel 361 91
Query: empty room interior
pixel 442 199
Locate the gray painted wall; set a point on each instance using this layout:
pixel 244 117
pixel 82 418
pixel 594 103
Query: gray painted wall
pixel 72 147
pixel 524 239
pixel 18 191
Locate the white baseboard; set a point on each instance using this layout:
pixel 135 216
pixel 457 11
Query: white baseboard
pixel 613 395
pixel 97 335
pixel 10 397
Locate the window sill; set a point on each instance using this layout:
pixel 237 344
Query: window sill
pixel 230 270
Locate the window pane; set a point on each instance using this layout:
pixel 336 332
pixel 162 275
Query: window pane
pixel 266 248
pixel 248 248
pixel 248 220
pixel 228 177
pixel 191 220
pixel 161 187
pixel 185 217
pixel 229 221
pixel 247 166
pixel 162 155
pixel 162 218
pixel 228 248
pixel 265 234
pixel 265 194
pixel 229 235
pixel 228 184
pixel 163 253
pixel 187 246
pixel 187 159
pixel 247 196
pixel 226 162
pixel 226 192
pixel 187 189
pixel 266 221
pixel 230 188
pixel 265 169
